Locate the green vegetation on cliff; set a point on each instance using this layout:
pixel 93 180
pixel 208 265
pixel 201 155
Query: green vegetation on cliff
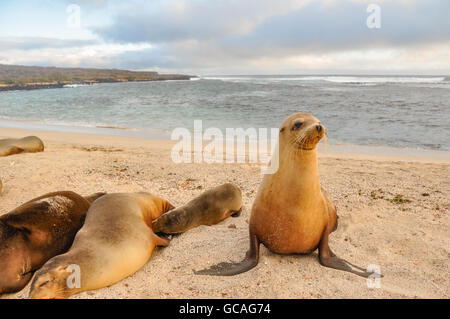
pixel 17 76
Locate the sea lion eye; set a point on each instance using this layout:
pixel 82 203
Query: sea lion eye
pixel 297 125
pixel 44 283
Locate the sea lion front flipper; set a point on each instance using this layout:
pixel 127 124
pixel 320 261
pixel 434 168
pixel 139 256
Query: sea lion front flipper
pixel 21 223
pixel 328 259
pixel 230 269
pixel 38 232
pixel 164 242
pixel 15 150
pixel 35 235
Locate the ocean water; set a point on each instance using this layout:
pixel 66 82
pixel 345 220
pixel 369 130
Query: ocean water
pixel 404 111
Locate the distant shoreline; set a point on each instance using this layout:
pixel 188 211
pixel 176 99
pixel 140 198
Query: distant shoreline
pixel 20 77
pixel 38 86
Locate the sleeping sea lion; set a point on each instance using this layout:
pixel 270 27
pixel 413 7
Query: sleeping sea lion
pixel 115 242
pixel 37 231
pixel 29 144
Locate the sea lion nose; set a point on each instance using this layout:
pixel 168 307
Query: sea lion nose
pixel 319 128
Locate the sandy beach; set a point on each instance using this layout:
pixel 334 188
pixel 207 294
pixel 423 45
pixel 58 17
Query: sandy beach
pixel 394 212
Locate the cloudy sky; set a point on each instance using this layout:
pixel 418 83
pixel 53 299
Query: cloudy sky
pixel 230 36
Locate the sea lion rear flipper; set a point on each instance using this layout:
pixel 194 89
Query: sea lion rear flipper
pixel 328 259
pixel 231 269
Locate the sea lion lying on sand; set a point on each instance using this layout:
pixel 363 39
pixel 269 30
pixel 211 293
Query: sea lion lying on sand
pixel 37 231
pixel 116 241
pixel 209 208
pixel 29 144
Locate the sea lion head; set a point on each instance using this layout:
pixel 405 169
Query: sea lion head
pixel 301 131
pixel 51 282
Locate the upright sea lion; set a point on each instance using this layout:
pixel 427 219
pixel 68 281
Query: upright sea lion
pixel 209 208
pixel 291 212
pixel 115 242
pixel 37 231
pixel 29 144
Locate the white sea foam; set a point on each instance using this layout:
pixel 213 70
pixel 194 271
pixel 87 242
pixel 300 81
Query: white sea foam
pixel 335 79
pixel 350 79
pixel 75 85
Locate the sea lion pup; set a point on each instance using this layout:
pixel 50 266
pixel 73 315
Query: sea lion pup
pixel 37 231
pixel 209 208
pixel 29 144
pixel 115 242
pixel 292 213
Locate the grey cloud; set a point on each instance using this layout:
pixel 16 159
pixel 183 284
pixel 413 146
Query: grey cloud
pixel 337 24
pixel 208 35
pixel 343 25
pixel 225 34
pixel 165 21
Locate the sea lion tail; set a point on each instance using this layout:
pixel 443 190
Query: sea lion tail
pixel 230 269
